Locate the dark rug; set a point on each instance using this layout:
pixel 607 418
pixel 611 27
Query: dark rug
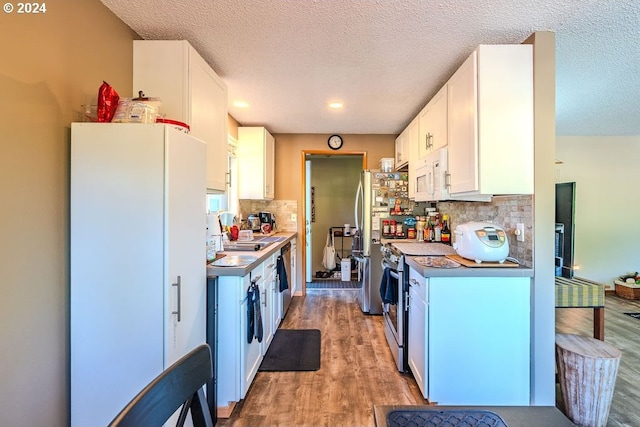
pixel 333 284
pixel 293 350
pixel 634 315
pixel 448 418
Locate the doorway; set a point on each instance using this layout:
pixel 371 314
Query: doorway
pixel 330 181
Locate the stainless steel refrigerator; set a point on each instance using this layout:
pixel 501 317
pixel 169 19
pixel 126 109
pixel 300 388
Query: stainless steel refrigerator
pixel 379 196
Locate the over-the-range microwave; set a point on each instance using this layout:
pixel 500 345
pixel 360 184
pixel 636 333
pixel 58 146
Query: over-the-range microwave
pixel 431 177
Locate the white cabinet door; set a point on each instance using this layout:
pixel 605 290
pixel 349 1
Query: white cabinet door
pixel 413 135
pixel 433 124
pixel 491 122
pixel 463 147
pixel 256 156
pixel 184 223
pixel 129 178
pixel 268 301
pixel 418 330
pixel 190 91
pixel 253 351
pixel 479 330
pixel 402 149
pixel 269 166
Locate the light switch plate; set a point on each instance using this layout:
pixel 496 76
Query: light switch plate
pixel 294 217
pixel 520 232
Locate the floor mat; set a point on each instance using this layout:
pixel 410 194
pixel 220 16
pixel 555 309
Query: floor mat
pixel 293 350
pixel 333 284
pixel 448 418
pixel 634 315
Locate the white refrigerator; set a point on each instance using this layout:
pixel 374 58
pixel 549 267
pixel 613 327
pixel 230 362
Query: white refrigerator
pixel 137 264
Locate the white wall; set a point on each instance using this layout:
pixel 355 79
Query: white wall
pixel 606 171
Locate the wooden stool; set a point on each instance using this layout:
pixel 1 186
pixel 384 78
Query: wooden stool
pixel 587 370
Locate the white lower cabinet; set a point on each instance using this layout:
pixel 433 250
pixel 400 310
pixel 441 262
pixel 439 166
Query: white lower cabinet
pixel 470 343
pixel 240 353
pixel 418 330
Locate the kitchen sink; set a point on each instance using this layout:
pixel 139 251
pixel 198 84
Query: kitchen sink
pixel 270 239
pixel 253 245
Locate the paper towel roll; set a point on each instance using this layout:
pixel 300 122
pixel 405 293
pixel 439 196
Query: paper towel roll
pixel 213 225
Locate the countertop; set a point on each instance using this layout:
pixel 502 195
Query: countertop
pixel 513 416
pixel 260 257
pixel 412 248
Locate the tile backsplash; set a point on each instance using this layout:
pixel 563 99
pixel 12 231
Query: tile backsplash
pixel 505 211
pixel 282 209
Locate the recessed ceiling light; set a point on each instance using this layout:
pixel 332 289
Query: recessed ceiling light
pixel 335 105
pixel 241 104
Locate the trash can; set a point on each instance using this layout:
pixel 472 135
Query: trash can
pixel 345 269
pixel 587 370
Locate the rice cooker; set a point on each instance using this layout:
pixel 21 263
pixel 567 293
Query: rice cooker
pixel 481 242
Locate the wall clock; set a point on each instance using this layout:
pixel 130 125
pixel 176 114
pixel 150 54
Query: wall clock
pixel 335 142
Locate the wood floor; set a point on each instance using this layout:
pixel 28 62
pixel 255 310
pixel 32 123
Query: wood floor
pixel 623 332
pixel 358 370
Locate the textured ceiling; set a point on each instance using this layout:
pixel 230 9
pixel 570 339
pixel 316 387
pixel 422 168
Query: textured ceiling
pixel 384 59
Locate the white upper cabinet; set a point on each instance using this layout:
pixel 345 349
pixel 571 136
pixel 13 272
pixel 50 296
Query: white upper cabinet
pixel 433 125
pixel 190 92
pixel 412 134
pixel 256 163
pixel 490 122
pixel 402 149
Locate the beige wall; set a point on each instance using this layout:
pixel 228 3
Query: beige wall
pixel 52 63
pixel 232 126
pixel 289 165
pixel 288 156
pixel 606 203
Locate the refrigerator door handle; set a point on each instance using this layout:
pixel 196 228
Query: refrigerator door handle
pixel 355 207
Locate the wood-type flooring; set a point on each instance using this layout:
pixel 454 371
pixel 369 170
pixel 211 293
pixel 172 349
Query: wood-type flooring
pixel 357 369
pixel 623 332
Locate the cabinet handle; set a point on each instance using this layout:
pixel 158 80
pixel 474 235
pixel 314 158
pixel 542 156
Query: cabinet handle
pixel 264 297
pixel 414 281
pixel 228 183
pixel 270 265
pixel 426 140
pixel 253 281
pixel 178 284
pixel 447 180
pixel 406 298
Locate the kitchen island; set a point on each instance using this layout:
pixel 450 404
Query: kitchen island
pixel 469 333
pixel 244 290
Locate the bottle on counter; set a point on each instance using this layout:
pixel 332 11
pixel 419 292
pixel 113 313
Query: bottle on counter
pixel 437 229
pixel 445 233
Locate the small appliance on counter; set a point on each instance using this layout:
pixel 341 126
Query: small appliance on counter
pixel 267 218
pixel 254 222
pixel 481 242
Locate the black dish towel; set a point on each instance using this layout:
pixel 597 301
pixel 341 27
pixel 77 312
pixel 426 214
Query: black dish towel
pixel 388 287
pixel 254 316
pixel 282 274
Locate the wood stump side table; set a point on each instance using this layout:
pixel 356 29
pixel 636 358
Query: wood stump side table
pixel 587 370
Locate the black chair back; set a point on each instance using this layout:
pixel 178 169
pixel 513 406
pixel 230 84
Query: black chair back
pixel 181 384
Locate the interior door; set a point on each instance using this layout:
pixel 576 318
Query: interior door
pixel 307 225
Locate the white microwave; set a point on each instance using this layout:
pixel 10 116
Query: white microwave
pixel 432 178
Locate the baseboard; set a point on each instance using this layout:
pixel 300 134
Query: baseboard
pixel 225 411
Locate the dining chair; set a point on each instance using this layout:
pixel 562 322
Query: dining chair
pixel 180 385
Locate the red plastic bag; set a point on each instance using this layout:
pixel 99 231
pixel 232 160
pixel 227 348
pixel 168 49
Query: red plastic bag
pixel 107 102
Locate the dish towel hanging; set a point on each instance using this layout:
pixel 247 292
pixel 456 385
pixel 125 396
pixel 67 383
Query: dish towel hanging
pixel 388 287
pixel 282 274
pixel 254 316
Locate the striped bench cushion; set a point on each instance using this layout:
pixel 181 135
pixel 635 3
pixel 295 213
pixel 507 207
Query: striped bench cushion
pixel 578 292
